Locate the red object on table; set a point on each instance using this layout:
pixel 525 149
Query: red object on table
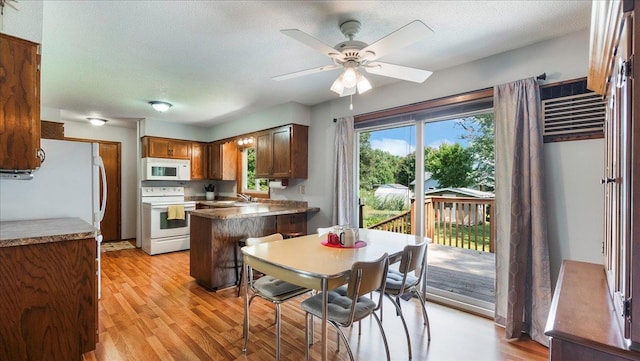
pixel 358 244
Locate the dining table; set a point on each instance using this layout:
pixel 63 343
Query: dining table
pixel 311 262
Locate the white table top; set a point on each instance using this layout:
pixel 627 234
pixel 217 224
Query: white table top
pixel 305 261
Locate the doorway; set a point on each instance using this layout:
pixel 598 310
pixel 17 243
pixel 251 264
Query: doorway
pixel 111 224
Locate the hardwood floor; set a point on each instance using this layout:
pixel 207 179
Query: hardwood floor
pixel 151 309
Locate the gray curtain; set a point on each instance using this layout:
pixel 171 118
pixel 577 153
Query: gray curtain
pixel 523 286
pixel 345 196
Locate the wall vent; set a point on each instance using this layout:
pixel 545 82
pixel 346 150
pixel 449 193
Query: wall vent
pixel 573 117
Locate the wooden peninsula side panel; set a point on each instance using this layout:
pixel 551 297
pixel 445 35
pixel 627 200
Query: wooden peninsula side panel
pixel 213 242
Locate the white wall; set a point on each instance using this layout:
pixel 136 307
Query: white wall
pixel 278 115
pixel 562 59
pixel 128 140
pixel 575 200
pixel 26 22
pixel 158 128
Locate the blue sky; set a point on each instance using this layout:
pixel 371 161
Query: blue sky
pixel 401 141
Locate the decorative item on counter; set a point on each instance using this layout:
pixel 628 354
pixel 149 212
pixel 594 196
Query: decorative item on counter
pixel 209 192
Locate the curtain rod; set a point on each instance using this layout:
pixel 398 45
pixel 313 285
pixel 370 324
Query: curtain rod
pixel 542 76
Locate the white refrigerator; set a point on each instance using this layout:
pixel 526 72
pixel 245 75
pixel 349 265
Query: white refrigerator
pixel 67 184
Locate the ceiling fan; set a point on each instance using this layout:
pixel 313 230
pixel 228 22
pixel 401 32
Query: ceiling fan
pixel 352 55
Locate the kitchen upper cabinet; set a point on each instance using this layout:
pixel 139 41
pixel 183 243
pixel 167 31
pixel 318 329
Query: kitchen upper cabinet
pixel 166 148
pixel 20 104
pixel 223 160
pixel 281 153
pixel 198 161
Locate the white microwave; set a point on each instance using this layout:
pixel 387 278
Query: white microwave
pixel 166 169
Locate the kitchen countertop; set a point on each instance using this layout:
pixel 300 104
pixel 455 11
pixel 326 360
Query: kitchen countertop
pixel 254 210
pixel 36 231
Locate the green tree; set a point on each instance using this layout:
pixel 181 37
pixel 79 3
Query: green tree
pixel 376 166
pixel 451 165
pixel 480 133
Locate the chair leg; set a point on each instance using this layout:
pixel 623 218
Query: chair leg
pixel 346 342
pixel 384 336
pixel 277 331
pixel 396 303
pixel 306 335
pixel 424 313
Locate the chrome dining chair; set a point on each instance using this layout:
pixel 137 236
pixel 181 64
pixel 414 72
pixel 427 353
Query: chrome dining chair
pixel 402 281
pixel 348 304
pixel 271 289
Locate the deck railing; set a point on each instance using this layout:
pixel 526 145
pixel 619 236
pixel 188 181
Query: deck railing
pixel 453 221
pixel 400 223
pixel 461 222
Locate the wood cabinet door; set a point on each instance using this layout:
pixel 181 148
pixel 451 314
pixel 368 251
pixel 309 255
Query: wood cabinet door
pixel 281 139
pixel 179 149
pixel 229 161
pixel 292 224
pixel 264 155
pixel 156 147
pixel 20 99
pixel 198 161
pixel 215 160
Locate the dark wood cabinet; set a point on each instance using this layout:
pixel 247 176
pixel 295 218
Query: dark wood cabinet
pixel 292 225
pixel 20 100
pixel 282 153
pixel 48 300
pixel 592 312
pixel 198 161
pixel 166 148
pixel 223 160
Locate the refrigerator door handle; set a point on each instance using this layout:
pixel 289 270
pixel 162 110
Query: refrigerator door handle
pixel 103 175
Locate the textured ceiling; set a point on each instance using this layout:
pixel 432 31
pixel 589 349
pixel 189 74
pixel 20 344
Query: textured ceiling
pixel 214 59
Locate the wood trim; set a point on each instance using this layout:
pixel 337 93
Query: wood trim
pixel 605 31
pixel 428 104
pixel 51 130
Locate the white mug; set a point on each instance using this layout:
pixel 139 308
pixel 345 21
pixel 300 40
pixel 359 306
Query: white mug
pixel 348 237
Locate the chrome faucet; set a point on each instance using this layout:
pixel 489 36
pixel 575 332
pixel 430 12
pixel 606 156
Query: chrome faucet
pixel 245 197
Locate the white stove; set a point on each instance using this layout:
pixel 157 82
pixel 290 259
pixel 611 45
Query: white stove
pixel 160 232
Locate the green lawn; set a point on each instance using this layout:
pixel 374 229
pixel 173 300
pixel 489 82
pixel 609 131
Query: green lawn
pixel 472 237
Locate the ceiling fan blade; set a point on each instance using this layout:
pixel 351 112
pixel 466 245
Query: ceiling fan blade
pixel 307 72
pixel 312 42
pixel 406 35
pixel 398 71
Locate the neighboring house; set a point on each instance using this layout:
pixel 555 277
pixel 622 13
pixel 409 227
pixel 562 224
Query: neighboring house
pixel 387 192
pixel 467 214
pixel 429 182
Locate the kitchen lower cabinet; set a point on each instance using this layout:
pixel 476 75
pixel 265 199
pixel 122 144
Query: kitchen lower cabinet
pixel 292 225
pixel 48 300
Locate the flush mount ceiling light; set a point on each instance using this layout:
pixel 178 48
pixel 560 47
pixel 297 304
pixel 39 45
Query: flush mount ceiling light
pixel 160 106
pixel 98 122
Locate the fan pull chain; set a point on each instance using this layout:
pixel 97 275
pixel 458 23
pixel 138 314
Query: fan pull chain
pixel 351 102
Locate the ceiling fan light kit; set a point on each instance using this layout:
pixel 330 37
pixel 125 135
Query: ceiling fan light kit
pixel 353 55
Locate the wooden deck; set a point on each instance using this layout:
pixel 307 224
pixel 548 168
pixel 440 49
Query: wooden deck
pixel 462 271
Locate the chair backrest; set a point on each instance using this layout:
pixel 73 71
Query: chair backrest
pixel 367 277
pixel 413 259
pixel 252 241
pixel 325 230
